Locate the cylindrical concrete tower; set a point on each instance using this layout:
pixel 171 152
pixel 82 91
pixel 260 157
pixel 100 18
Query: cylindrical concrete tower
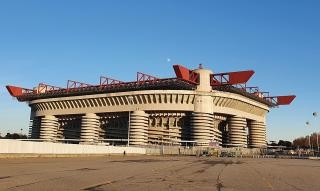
pixel 49 128
pixel 257 134
pixel 90 128
pixel 237 131
pixel 204 80
pixel 202 124
pixel 138 128
pixel 202 128
pixel 34 128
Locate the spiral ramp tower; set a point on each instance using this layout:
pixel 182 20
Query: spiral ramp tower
pixel 257 134
pixel 202 128
pixel 139 122
pixel 237 131
pixel 49 128
pixel 90 128
pixel 34 128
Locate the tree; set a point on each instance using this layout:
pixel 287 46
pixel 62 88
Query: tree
pixel 287 144
pixel 303 142
pixel 15 136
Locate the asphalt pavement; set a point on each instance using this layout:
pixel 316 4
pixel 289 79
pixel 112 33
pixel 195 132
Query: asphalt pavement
pixel 159 173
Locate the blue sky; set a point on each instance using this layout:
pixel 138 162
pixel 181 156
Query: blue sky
pixel 53 41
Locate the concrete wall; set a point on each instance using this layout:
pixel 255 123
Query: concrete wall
pixel 30 147
pixel 171 150
pixel 153 100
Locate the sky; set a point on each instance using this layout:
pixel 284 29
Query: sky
pixel 54 41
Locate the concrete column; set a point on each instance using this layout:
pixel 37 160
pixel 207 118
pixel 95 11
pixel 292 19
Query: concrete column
pixel 257 134
pixel 176 121
pixel 202 123
pixel 138 128
pixel 237 131
pixel 204 80
pixel 49 128
pixel 203 104
pixel 202 128
pixel 89 128
pixel 162 120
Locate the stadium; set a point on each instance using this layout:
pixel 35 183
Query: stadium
pixel 196 107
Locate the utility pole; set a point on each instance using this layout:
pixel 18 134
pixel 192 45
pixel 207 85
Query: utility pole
pixel 309 142
pixel 315 115
pixel 308 125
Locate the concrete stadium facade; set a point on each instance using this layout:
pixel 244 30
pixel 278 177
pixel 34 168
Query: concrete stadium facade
pixel 202 116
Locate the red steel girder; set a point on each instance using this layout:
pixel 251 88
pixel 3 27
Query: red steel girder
pixel 231 78
pixel 234 79
pixel 252 90
pixel 241 86
pixel 286 100
pixel 281 100
pixel 141 78
pixel 76 85
pixel 18 91
pixel 265 94
pixel 104 81
pixel 261 94
pixel 44 88
pixel 256 91
pixel 186 74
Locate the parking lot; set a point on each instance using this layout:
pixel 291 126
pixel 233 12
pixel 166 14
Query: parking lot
pixel 158 173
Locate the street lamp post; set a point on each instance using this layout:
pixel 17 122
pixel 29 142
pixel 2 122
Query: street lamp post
pixel 310 142
pixel 130 99
pixel 308 124
pixel 315 115
pixel 318 142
